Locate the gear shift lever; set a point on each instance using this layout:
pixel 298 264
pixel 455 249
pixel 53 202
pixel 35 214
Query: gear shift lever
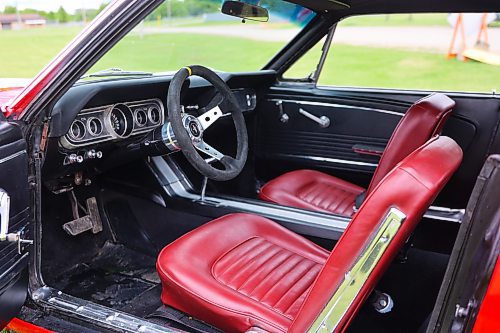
pixel 203 188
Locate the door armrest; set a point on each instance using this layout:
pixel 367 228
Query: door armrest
pixel 368 149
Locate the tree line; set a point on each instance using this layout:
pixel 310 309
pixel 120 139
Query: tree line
pixel 169 8
pixel 60 15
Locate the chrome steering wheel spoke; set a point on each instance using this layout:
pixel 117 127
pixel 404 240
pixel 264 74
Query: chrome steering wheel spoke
pixel 208 118
pixel 209 150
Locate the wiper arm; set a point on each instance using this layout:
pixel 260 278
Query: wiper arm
pixel 116 72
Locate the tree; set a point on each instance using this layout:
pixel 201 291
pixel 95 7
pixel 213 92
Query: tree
pixel 61 15
pixel 9 10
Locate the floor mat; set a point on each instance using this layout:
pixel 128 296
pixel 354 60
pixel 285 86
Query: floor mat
pixel 170 317
pixel 113 278
pixel 145 303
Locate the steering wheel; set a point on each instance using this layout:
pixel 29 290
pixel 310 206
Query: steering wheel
pixel 188 130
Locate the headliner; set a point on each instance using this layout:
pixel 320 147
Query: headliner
pixel 401 6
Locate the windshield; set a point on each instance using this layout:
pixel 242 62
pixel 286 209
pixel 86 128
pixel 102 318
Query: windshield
pixel 180 33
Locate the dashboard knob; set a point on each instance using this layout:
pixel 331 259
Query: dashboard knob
pixel 92 154
pixel 72 159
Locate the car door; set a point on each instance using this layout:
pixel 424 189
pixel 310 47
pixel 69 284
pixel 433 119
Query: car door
pixel 15 217
pixel 339 118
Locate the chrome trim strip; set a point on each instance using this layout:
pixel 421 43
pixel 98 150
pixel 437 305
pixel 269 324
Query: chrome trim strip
pixel 10 157
pixel 14 265
pixel 96 314
pixel 325 225
pixel 356 278
pixel 336 105
pixel 406 92
pixel 445 214
pixel 329 160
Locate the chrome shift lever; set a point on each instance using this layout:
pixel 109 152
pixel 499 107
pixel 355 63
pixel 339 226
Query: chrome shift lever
pixel 204 189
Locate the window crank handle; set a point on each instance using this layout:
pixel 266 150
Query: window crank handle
pixel 322 121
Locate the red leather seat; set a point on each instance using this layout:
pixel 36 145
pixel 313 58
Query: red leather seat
pixel 318 191
pixel 243 271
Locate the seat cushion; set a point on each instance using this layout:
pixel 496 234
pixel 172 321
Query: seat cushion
pixel 313 190
pixel 254 273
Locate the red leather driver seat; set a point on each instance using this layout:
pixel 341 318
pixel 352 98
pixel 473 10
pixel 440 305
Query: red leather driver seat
pixel 243 271
pixel 318 191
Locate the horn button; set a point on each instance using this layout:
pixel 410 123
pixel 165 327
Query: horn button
pixel 194 128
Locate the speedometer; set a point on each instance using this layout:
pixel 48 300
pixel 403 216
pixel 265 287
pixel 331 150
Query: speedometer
pixel 121 120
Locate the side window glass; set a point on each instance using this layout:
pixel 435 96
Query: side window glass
pixel 414 52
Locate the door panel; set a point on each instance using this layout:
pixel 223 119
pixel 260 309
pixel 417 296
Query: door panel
pixel 337 145
pixel 363 118
pixel 13 181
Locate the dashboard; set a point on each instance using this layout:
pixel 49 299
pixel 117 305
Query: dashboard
pixel 111 122
pixel 98 125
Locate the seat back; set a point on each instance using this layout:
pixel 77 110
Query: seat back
pixel 422 121
pixel 378 231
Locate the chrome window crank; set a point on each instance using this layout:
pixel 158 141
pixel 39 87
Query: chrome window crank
pixel 322 121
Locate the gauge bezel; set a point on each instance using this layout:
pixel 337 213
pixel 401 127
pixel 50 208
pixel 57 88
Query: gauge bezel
pixel 150 117
pixel 128 116
pixel 89 128
pixel 146 115
pixel 84 130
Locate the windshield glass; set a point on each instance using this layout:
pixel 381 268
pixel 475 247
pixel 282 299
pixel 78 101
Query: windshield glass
pixel 180 33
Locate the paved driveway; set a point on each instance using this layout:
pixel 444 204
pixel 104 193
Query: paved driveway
pixel 431 39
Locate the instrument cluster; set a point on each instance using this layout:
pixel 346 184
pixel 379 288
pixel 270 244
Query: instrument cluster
pixel 111 122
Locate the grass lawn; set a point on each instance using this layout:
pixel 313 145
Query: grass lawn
pixel 25 52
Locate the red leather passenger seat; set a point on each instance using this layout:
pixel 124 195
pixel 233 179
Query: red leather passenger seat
pixel 243 271
pixel 318 191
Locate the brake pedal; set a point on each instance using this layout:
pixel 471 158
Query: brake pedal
pixel 92 221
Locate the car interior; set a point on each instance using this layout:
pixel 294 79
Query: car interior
pixel 209 201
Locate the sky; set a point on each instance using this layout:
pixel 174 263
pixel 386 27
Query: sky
pixel 52 5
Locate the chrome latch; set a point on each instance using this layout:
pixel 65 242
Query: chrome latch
pixel 4 224
pixel 17 238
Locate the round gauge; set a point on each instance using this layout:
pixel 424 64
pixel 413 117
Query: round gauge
pixel 154 115
pixel 77 130
pixel 94 126
pixel 141 117
pixel 121 120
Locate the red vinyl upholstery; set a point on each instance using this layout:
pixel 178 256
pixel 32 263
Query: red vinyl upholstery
pixel 242 271
pixel 314 190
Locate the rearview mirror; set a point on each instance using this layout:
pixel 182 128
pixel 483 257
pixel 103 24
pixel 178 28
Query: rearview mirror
pixel 245 11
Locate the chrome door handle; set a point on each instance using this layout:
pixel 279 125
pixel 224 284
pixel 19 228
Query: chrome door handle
pixel 4 214
pixel 322 121
pixel 4 224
